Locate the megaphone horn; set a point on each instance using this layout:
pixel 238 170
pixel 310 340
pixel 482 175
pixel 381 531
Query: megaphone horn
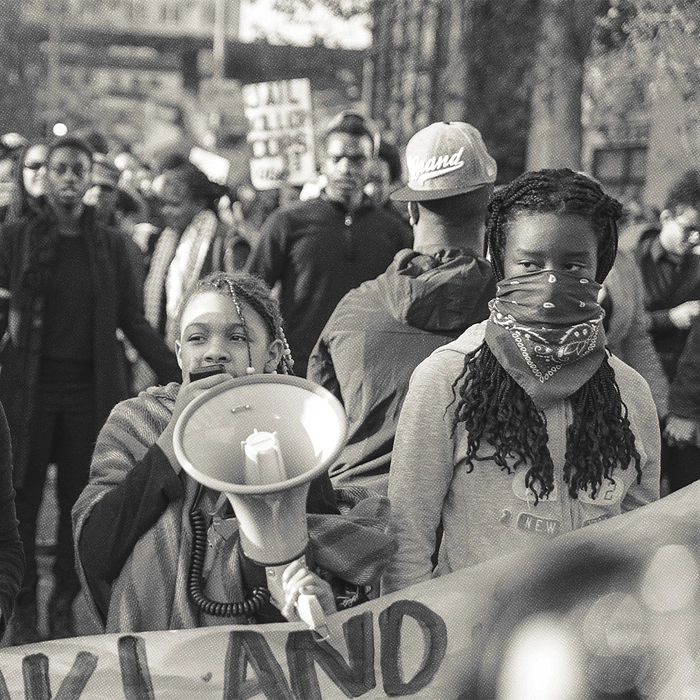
pixel 261 440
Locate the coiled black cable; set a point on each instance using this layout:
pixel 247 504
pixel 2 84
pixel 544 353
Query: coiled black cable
pixel 249 606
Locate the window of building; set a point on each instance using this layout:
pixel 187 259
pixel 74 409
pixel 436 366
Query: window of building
pixel 620 165
pixel 208 14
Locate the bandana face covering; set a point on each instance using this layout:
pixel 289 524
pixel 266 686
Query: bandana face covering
pixel 546 331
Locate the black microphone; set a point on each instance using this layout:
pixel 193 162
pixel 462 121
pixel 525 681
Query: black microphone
pixel 206 371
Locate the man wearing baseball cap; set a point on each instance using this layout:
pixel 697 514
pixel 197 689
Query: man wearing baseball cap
pixel 428 296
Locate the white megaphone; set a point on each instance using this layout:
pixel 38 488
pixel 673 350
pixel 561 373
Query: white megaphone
pixel 261 440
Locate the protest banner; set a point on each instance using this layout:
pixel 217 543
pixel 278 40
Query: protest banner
pixel 612 610
pixel 280 132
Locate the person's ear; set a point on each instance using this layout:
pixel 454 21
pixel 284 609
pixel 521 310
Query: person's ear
pixel 413 213
pixel 274 355
pixel 178 352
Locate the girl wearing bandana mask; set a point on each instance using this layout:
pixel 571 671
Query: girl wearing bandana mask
pixel 525 427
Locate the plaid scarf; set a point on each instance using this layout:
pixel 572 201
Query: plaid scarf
pixel 546 331
pixel 176 264
pixel 154 285
pixel 186 267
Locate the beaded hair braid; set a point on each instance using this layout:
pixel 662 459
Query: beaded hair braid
pixel 253 290
pixel 239 310
pixel 495 410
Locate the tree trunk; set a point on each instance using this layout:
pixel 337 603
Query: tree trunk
pixel 406 58
pixel 461 60
pixel 554 139
pixel 17 91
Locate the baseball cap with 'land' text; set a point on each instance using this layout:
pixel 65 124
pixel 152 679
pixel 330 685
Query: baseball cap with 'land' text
pixel 446 159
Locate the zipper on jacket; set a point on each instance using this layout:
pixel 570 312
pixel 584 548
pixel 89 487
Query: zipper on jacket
pixel 557 422
pixel 573 503
pixel 347 235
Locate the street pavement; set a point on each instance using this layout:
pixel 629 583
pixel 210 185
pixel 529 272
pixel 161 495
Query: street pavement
pixel 46 543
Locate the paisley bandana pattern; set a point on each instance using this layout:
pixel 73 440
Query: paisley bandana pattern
pixel 546 330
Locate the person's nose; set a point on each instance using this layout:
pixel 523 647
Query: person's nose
pixel 694 237
pixel 217 352
pixel 343 165
pixel 70 178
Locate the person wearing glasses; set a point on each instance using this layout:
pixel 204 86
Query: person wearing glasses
pixel 670 269
pixel 67 285
pixel 27 195
pixel 320 249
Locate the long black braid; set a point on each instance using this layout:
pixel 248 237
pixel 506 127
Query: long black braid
pixel 496 410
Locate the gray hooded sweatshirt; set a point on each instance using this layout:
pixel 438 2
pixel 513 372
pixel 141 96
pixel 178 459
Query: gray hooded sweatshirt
pixel 487 512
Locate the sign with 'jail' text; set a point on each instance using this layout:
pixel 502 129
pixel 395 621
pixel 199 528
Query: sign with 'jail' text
pixel 280 132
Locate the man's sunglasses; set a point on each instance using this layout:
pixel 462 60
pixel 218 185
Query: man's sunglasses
pixel 35 166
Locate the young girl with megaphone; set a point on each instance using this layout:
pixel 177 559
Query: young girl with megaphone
pixel 133 531
pixel 524 427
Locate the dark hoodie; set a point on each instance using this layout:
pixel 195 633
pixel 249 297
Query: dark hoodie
pixel 377 336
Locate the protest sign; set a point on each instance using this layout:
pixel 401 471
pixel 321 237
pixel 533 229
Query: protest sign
pixel 280 132
pixel 612 610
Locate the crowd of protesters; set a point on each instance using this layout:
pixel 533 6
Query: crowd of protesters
pixel 495 353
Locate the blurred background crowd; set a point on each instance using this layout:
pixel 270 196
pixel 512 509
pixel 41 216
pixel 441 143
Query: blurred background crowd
pixel 156 101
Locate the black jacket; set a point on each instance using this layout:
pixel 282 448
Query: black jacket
pixel 318 251
pixel 26 249
pixel 667 284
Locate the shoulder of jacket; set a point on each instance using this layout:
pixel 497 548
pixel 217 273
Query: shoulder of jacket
pixel 295 208
pixel 445 363
pixel 164 396
pixel 634 389
pixel 168 392
pixel 280 218
pixel 625 375
pixel 465 343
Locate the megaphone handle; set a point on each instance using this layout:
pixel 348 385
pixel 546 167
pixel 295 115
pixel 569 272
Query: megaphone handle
pixel 308 606
pixel 311 612
pixel 273 574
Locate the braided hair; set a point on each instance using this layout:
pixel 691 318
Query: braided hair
pixel 496 410
pixel 243 286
